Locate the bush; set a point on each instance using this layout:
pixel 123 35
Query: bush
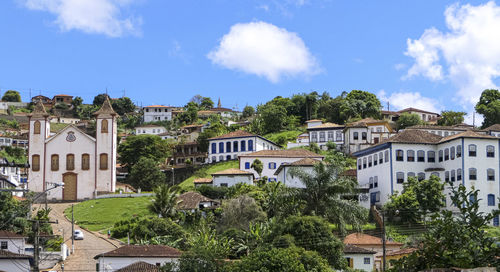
pixel 212 191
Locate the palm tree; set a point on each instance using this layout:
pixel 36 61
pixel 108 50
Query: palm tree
pixel 329 194
pixel 165 201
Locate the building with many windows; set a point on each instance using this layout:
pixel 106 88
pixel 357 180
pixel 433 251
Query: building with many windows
pixel 231 145
pixel 321 133
pixel 365 133
pixel 150 129
pixel 157 113
pixel 467 158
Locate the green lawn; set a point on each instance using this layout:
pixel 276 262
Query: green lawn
pixel 101 214
pixel 205 172
pixel 282 138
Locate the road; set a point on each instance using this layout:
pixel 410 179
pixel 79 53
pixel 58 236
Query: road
pixel 85 250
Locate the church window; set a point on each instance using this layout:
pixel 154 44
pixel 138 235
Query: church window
pixel 85 161
pixel 36 127
pixel 103 161
pixel 35 163
pixel 104 126
pixel 54 162
pixel 70 162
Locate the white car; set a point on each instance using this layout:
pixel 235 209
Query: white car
pixel 78 235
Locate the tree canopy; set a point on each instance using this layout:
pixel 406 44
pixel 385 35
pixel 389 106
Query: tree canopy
pixel 11 96
pixel 451 118
pixel 489 107
pixel 146 175
pixel 149 146
pixel 407 120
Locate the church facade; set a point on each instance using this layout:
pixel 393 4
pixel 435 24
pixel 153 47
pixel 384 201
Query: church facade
pixel 85 164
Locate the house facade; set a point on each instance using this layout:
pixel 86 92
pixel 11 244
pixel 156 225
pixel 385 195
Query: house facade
pixel 467 158
pixel 85 164
pixel 150 130
pixel 321 133
pixel 12 242
pixel 231 177
pixel 359 258
pixel 272 159
pixel 373 244
pixel 365 133
pixel 283 172
pixel 14 262
pixel 157 113
pixel 231 145
pixel 426 116
pixel 493 130
pixel 188 154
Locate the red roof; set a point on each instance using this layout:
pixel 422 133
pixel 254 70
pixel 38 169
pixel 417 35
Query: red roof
pixel 9 234
pixel 287 153
pixel 142 251
pixel 365 239
pixel 158 106
pixel 63 95
pixel 234 134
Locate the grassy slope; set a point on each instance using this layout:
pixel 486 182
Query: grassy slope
pixel 101 214
pixel 289 136
pixel 205 172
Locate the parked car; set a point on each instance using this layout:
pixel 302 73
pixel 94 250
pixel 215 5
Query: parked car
pixel 78 235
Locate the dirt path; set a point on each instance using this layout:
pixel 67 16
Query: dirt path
pixel 85 250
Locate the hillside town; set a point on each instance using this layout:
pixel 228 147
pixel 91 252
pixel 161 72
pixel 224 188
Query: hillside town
pixel 332 183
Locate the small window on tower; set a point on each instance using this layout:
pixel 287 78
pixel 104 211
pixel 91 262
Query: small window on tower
pixel 36 127
pixel 104 126
pixel 70 162
pixel 35 163
pixel 103 161
pixel 85 161
pixel 54 163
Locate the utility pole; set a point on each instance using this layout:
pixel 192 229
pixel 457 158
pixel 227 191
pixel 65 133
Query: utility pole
pixel 173 176
pixel 36 249
pixel 383 240
pixel 72 231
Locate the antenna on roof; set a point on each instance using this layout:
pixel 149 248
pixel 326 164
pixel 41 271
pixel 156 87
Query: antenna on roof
pixel 123 93
pixel 474 119
pixel 388 106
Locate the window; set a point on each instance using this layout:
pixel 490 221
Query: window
pixel 440 133
pixel 35 163
pixel 459 151
pixel 214 158
pixel 440 155
pixel 272 165
pixel 446 133
pixel 330 136
pixel 36 127
pixel 375 182
pixel 54 162
pixel 70 162
pixel 431 156
pixel 452 175
pixel 247 165
pixel 228 147
pixel 472 173
pixel 436 174
pixel 399 155
pixel 250 145
pixel 370 161
pixel 228 157
pixel 359 164
pixel 496 221
pixel 214 148
pixel 221 147
pixel 491 200
pixel 375 159
pixel 338 136
pixel 85 161
pixel 4 245
pixel 447 176
pixel 400 177
pixel 322 137
pixel 371 182
pixel 103 161
pixel 459 174
pixel 490 173
pixel 490 151
pixel 452 153
pixel 104 126
pixel 223 185
pixel 410 175
pixel 366 260
pixel 364 163
pixel 421 156
pixel 386 156
pixel 380 157
pixel 421 176
pixel 472 150
pixel 355 135
pixel 271 179
pixel 446 154
pixel 243 146
pixel 472 199
pixel 235 146
pixel 363 136
pixel 410 155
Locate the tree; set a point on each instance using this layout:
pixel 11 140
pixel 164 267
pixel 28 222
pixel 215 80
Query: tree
pixel 273 118
pixel 13 213
pixel 257 166
pixel 61 106
pixel 146 174
pixel 248 111
pixel 123 105
pixel 325 195
pixel 77 102
pixel 489 107
pixel 149 146
pixel 407 120
pixel 165 201
pixel 456 240
pixel 189 115
pixel 360 104
pixel 451 118
pixel 99 99
pixel 11 96
pixel 240 212
pixel 206 103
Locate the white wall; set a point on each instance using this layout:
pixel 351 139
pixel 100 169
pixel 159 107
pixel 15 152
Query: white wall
pixel 36 147
pixel 150 130
pixel 289 181
pixel 15 245
pixel 258 145
pixel 15 265
pixel 359 261
pixel 161 114
pixel 108 264
pixel 266 171
pixel 232 180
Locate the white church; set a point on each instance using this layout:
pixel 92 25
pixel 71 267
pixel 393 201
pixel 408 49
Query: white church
pixel 85 164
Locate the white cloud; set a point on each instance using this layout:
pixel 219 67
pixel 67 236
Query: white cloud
pixel 89 16
pixel 265 50
pixel 467 54
pixel 402 100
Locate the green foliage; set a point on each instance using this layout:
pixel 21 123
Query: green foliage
pixel 11 96
pixel 274 118
pixel 360 104
pixel 86 112
pixel 456 240
pixel 189 115
pixel 77 102
pixel 13 214
pixel 280 201
pixel 148 146
pixel 14 154
pixel 165 201
pixel 282 138
pixel 122 105
pixel 9 123
pixel 146 174
pixel 248 111
pixel 212 191
pixel 489 107
pixel 61 106
pixel 99 99
pixel 257 166
pixel 451 118
pixel 205 172
pixel 240 212
pixel 407 120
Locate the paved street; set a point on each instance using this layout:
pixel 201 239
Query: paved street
pixel 86 249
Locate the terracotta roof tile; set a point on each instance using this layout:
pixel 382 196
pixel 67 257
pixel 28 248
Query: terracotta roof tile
pixel 326 125
pixel 287 153
pixel 142 251
pixel 106 108
pixel 495 127
pixel 301 162
pixel 9 234
pixel 348 248
pixel 414 136
pixel 234 134
pixel 364 122
pixel 139 267
pixel 467 134
pixel 365 239
pixel 191 200
pixel 403 251
pixel 457 128
pixel 203 181
pixel 158 106
pixel 5 254
pixel 417 110
pixel 231 171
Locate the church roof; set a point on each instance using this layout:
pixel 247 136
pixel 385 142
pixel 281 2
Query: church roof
pixel 106 108
pixel 39 110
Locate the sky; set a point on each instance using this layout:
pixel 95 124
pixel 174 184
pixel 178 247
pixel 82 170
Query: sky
pixel 433 55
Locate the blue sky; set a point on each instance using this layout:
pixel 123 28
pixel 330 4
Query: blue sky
pixel 431 54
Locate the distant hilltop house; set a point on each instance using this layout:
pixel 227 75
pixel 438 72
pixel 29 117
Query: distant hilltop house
pixel 86 164
pixel 223 112
pixel 156 113
pixel 321 133
pixel 365 133
pixel 49 103
pixel 426 116
pixel 149 130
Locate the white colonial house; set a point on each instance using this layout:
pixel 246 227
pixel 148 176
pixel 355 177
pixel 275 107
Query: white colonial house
pixel 231 177
pixel 365 133
pixel 359 258
pixel 283 172
pixel 231 145
pixel 14 262
pixel 493 130
pixel 302 140
pixel 467 158
pixel 157 113
pixel 369 243
pixel 129 254
pixel 12 242
pixel 85 164
pixel 426 116
pixel 272 159
pixel 446 130
pixel 321 133
pixel 150 130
